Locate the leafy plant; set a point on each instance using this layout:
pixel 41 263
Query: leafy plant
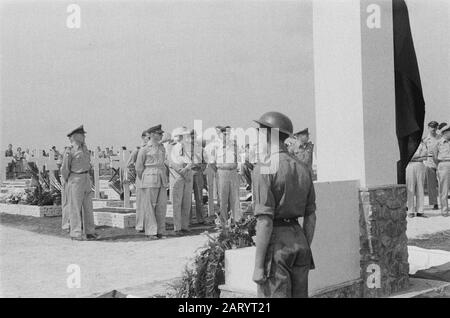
pixel 203 275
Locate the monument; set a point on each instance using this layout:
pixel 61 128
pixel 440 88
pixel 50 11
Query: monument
pixel 360 245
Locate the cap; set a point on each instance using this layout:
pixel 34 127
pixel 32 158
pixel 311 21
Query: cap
pixel 180 131
pixel 433 124
pixel 155 129
pixel 445 128
pixel 79 130
pixel 302 132
pixel 441 125
pixel 222 128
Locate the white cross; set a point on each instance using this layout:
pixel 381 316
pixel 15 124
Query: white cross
pixel 3 165
pixel 96 161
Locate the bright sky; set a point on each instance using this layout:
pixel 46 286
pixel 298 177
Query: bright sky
pixel 135 64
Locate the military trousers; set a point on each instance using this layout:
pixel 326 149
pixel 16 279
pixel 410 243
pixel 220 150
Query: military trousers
pixel 432 185
pixel 198 195
pixel 443 172
pixel 287 264
pixel 181 197
pixel 153 208
pixel 64 207
pixel 228 182
pixel 415 181
pixel 211 181
pixel 79 205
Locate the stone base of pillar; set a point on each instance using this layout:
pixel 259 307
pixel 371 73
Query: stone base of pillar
pixel 383 241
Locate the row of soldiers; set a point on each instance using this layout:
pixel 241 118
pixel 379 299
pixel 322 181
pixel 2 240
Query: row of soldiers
pixel 430 163
pixel 174 163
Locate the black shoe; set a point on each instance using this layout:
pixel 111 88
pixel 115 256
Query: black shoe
pixel 435 207
pixel 160 236
pixel 92 237
pixel 151 237
pixel 411 215
pixel 420 215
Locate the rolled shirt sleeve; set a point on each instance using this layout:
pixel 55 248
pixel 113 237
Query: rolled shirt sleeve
pixel 264 199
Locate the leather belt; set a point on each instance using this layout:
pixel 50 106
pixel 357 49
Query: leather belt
pixel 285 222
pixel 80 172
pixel 227 168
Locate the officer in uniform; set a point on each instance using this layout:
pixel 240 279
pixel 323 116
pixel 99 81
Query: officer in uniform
pixel 441 155
pixel 131 164
pixel 75 171
pixel 281 195
pixel 64 206
pixel 415 181
pixel 181 179
pixel 196 156
pixel 432 184
pixel 302 148
pixel 153 183
pixel 226 155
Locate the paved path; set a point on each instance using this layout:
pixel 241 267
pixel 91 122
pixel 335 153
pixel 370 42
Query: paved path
pixel 35 265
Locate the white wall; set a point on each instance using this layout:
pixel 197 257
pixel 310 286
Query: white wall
pixel 335 246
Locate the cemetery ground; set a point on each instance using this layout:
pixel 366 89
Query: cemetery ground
pixel 35 257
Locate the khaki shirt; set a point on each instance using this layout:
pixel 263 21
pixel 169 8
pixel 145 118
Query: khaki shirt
pixel 442 150
pixel 431 143
pixel 76 160
pixel 286 193
pixel 150 168
pixel 226 155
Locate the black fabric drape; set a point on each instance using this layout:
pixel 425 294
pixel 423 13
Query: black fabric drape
pixel 409 101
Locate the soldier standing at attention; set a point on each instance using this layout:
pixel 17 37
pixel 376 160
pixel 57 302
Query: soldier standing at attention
pixel 131 165
pixel 432 184
pixel 441 155
pixel 302 148
pixel 181 179
pixel 75 172
pixel 226 158
pixel 415 181
pixel 282 195
pixel 151 171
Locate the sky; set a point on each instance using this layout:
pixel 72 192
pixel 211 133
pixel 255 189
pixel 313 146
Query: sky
pixel 135 64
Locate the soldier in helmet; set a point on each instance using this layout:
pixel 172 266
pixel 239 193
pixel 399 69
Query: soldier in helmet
pixel 283 191
pixel 441 155
pixel 75 171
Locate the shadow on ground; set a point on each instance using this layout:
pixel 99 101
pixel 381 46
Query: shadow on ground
pixel 52 226
pixel 435 241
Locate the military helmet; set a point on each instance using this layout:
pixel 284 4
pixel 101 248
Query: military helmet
pixel 276 120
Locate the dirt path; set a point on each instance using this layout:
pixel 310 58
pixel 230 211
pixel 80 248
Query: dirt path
pixel 35 265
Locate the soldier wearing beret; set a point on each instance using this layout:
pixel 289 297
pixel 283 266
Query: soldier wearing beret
pixel 153 183
pixel 302 148
pixel 431 142
pixel 75 171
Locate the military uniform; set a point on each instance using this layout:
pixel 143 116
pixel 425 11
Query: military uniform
pixel 211 178
pixel 151 171
pixel 431 169
pixel 75 171
pixel 181 184
pixel 131 169
pixel 197 181
pixel 64 206
pixel 228 181
pixel 284 195
pixel 415 180
pixel 442 157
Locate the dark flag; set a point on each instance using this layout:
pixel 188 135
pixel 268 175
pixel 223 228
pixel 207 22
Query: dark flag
pixel 409 102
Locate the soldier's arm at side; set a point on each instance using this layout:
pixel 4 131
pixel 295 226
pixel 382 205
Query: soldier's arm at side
pixel 309 220
pixel 140 161
pixel 264 211
pixel 65 167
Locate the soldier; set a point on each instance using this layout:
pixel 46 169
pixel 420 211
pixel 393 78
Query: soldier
pixel 64 206
pixel 302 148
pixel 415 181
pixel 432 184
pixel 131 164
pixel 226 159
pixel 211 177
pixel 196 156
pixel 441 155
pixel 282 195
pixel 181 180
pixel 151 172
pixel 75 172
